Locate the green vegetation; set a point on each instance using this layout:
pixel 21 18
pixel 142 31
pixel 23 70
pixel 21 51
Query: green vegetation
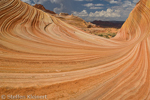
pixel 106 35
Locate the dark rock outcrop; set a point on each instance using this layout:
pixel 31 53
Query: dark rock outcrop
pixel 41 7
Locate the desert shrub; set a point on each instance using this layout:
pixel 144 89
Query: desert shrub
pixel 113 35
pixel 100 35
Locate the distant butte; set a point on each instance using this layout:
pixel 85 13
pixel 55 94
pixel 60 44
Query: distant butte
pixel 111 24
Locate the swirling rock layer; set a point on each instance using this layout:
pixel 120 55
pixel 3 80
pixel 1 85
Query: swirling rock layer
pixel 42 55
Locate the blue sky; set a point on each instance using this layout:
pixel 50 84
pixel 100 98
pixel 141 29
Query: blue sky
pixel 89 10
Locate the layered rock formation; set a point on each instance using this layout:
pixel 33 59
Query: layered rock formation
pixel 42 55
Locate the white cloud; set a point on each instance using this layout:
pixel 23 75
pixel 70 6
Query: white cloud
pixel 56 1
pixel 59 10
pixel 112 1
pixel 56 9
pixel 135 1
pixel 96 7
pixel 78 0
pixel 108 13
pixel 88 4
pixel 98 15
pixel 91 4
pixel 99 4
pixel 127 3
pixel 83 0
pixel 83 13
